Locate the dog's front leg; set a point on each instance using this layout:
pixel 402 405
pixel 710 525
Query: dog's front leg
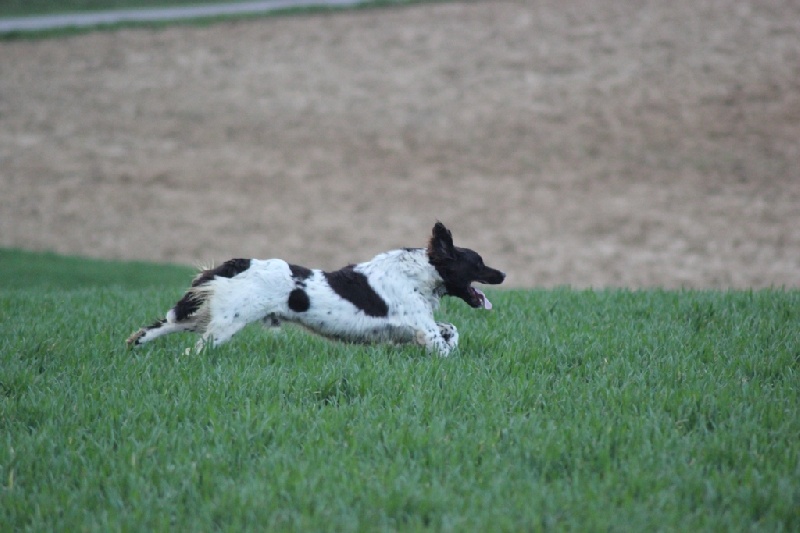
pixel 438 337
pixel 449 333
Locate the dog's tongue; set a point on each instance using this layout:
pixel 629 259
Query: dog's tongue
pixel 486 303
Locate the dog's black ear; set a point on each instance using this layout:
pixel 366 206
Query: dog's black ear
pixel 441 243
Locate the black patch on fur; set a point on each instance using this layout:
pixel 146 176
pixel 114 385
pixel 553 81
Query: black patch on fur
pixel 354 287
pixel 300 273
pixel 189 304
pixel 298 301
pixel 186 306
pixel 228 269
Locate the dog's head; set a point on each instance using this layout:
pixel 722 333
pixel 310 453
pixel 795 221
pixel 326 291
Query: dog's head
pixel 460 267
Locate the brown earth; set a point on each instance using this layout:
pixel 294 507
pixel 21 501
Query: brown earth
pixel 591 143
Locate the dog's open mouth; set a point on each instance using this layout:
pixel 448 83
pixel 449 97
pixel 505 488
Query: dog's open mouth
pixel 479 300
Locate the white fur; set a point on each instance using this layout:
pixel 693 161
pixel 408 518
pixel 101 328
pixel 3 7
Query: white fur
pixel 404 279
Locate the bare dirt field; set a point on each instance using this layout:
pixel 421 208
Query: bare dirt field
pixel 590 143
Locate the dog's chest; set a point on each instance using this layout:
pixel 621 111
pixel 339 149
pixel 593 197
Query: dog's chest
pixel 404 296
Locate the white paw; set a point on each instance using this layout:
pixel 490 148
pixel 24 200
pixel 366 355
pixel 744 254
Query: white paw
pixel 449 333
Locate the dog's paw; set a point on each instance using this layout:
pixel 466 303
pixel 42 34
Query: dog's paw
pixel 441 338
pixel 271 322
pixel 449 333
pixel 133 340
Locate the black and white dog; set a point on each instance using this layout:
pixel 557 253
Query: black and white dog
pixel 390 298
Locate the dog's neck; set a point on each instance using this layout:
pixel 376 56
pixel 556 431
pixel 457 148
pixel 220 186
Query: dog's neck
pixel 411 263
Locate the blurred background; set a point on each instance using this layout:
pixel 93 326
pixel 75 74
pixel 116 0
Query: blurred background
pixel 597 143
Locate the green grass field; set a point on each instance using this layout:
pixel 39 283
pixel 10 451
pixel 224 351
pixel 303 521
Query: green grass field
pixel 563 409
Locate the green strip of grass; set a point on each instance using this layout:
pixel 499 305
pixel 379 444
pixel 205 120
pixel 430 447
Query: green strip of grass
pixel 563 409
pixel 47 7
pixel 21 8
pixel 22 269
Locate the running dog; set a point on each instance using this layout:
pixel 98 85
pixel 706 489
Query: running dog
pixel 390 298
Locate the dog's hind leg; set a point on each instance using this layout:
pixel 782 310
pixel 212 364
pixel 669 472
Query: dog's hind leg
pixel 226 319
pixel 217 333
pixel 163 326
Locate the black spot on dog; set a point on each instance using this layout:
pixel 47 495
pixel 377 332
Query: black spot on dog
pixel 300 273
pixel 157 324
pixel 228 269
pixel 190 303
pixel 354 287
pixel 298 301
pixel 186 306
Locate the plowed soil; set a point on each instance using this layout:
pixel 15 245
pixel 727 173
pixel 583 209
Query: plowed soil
pixel 591 143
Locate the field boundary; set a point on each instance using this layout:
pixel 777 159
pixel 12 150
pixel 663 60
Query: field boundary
pixel 167 14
